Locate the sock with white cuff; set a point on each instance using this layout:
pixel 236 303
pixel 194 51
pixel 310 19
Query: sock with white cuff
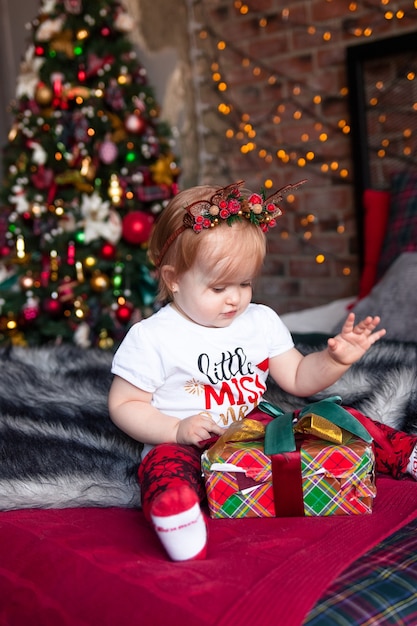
pixel 180 524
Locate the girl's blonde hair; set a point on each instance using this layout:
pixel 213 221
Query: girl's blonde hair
pixel 247 241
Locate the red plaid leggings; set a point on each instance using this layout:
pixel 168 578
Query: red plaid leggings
pixel 170 465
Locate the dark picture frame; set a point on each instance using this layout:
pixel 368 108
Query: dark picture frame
pixel 381 61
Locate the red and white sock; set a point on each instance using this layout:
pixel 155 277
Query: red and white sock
pixel 412 464
pixel 179 523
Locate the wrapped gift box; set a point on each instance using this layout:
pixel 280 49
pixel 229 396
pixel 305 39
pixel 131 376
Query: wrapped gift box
pixel 315 477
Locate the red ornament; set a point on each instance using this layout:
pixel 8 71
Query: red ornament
pixel 5 250
pixel 124 312
pixel 52 307
pixel 137 227
pixel 135 124
pixel 108 251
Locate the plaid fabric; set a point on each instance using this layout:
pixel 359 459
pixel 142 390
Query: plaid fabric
pixel 379 588
pixel 336 480
pixel 401 232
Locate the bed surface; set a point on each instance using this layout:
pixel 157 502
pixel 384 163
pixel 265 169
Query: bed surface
pixel 105 566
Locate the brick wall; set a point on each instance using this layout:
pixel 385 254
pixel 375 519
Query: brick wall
pixel 285 73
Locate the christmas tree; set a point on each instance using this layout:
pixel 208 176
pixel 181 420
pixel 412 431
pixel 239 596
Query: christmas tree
pixel 87 167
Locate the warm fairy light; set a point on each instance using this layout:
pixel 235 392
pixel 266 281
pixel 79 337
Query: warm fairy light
pixel 317 99
pixel 203 34
pixel 221 45
pixel 230 133
pixel 344 173
pixel 224 108
pixel 244 9
pixel 305 137
pixel 323 137
pixel 411 75
pixel 320 258
pixel 268 184
pixel 222 86
pixel 327 36
pixel 263 22
pixel 216 77
pixel 346 271
pixel 307 235
pixel 20 247
pixel 256 71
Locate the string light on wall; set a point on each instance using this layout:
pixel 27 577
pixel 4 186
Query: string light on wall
pixel 299 103
pixel 275 108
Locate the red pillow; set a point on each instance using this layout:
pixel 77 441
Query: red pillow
pixel 376 205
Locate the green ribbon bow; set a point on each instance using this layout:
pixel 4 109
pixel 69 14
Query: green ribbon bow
pixel 279 433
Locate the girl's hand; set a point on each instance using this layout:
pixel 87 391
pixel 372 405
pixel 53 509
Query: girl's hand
pixel 354 340
pixel 196 428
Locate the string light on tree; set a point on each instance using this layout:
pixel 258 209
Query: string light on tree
pixel 88 165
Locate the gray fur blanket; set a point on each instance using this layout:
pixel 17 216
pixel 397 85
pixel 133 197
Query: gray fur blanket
pixel 59 448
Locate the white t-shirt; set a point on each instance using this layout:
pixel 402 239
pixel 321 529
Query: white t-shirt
pixel 192 369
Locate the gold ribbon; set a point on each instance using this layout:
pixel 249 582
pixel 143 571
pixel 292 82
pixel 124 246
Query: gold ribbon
pixel 244 430
pixel 323 428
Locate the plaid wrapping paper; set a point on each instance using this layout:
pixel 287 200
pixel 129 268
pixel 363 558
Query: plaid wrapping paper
pixel 336 479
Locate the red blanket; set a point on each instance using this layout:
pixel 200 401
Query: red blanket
pixel 79 567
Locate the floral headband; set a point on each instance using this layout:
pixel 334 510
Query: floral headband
pixel 230 204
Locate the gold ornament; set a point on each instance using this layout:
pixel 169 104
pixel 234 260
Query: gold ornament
pixel 99 282
pixel 165 170
pixel 63 42
pixel 43 95
pixel 105 342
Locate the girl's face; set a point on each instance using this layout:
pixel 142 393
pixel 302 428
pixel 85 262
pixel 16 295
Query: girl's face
pixel 213 292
